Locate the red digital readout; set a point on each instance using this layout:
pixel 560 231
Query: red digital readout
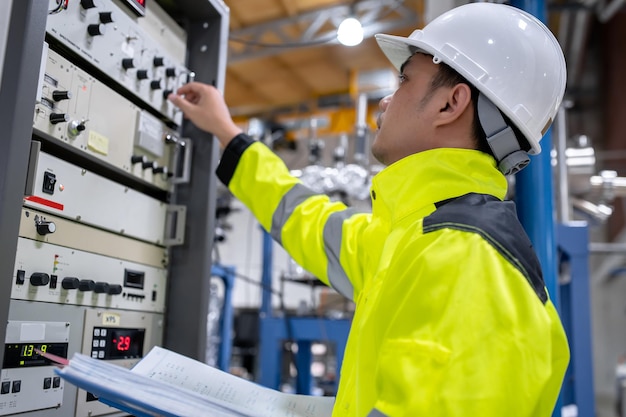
pixel 122 343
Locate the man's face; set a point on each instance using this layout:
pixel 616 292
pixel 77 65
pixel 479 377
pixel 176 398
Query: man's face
pixel 405 124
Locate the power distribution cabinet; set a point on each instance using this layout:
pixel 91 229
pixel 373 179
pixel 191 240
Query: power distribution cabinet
pixel 107 196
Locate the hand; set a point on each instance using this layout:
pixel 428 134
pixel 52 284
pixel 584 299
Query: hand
pixel 205 107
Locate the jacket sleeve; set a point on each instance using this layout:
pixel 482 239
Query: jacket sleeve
pixel 320 235
pixel 462 323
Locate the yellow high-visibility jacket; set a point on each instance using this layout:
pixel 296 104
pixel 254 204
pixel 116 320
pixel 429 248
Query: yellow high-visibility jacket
pixel 452 316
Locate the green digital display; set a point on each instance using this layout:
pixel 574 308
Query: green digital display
pixel 24 355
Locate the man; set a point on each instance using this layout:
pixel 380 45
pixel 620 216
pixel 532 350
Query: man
pixel 452 316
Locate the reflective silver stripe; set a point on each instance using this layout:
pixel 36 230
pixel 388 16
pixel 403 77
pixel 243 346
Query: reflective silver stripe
pixel 332 242
pixel 287 205
pixel 376 413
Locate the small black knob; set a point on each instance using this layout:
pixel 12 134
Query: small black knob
pixel 44 227
pixel 70 283
pixel 128 63
pixel 106 17
pixel 148 164
pixel 159 170
pixel 87 4
pixel 39 279
pixel 59 118
pixel 166 93
pixel 136 159
pixel 58 95
pixel 158 61
pixel 115 289
pixel 96 29
pixel 170 72
pixel 142 74
pixel 86 285
pixel 101 287
pixel 155 84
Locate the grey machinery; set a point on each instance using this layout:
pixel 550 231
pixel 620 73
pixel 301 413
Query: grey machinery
pixel 107 198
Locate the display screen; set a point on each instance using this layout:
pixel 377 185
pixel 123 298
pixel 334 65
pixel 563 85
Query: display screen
pixel 115 343
pixel 24 355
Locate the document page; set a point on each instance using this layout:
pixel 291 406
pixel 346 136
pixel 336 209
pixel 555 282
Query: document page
pixel 216 386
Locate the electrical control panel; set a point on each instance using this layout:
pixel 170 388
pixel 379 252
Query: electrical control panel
pixel 107 37
pixel 27 379
pixel 56 274
pixel 62 188
pixel 78 109
pixel 119 337
pixel 92 262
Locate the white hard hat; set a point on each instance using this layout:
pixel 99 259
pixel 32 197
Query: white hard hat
pixel 506 53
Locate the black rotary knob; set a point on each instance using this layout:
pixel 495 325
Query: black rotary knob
pixel 39 279
pixel 106 17
pixel 148 164
pixel 128 63
pixel 155 84
pixel 58 95
pixel 170 72
pixel 87 4
pixel 142 74
pixel 44 228
pixel 159 170
pixel 59 118
pixel 96 29
pixel 166 94
pixel 158 61
pixel 70 283
pixel 115 289
pixel 86 285
pixel 101 287
pixel 138 159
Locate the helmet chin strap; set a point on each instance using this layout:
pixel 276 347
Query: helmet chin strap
pixel 501 138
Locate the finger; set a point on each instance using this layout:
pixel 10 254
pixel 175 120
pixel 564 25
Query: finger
pixel 180 102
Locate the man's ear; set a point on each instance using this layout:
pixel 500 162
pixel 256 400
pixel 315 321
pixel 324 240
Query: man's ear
pixel 458 99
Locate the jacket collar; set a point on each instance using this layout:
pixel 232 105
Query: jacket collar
pixel 417 182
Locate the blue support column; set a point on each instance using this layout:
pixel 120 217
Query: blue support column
pixel 573 241
pixel 535 190
pixel 227 274
pixel 535 196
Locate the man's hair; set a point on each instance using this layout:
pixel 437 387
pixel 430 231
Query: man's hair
pixel 448 77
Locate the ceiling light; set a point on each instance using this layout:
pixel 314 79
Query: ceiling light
pixel 350 32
